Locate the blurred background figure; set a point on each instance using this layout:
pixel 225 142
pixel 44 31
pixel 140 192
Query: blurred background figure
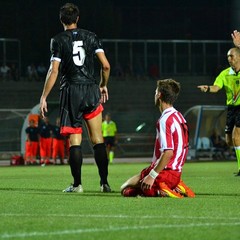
pixel 5 72
pixel 32 74
pixel 32 143
pixel 58 143
pixel 219 144
pixel 217 140
pixel 45 130
pixel 109 129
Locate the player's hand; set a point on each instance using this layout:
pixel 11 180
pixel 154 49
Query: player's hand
pixel 104 94
pixel 236 38
pixel 147 183
pixel 203 88
pixel 43 107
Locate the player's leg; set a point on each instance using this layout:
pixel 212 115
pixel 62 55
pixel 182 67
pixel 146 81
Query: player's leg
pixel 107 147
pixel 111 150
pixel 236 141
pixel 42 150
pixel 166 191
pixel 131 188
pixel 131 182
pixel 61 151
pixel 27 152
pixel 34 152
pixel 167 180
pixel 75 162
pixel 184 190
pixel 94 126
pixel 233 118
pixel 54 150
pixel 48 149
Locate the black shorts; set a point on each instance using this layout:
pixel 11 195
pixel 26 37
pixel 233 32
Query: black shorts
pixel 77 100
pixel 109 141
pixel 233 118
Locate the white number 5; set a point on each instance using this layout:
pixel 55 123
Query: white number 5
pixel 78 53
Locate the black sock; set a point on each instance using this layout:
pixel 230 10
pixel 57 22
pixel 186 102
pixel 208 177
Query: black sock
pixel 100 155
pixel 75 162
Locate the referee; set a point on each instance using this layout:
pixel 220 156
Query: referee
pixel 109 129
pixel 229 79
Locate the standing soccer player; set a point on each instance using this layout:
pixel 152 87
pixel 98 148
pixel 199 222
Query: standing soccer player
pixel 230 81
pixel 163 177
pixel 73 52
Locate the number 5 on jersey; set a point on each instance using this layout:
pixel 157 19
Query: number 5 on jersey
pixel 78 53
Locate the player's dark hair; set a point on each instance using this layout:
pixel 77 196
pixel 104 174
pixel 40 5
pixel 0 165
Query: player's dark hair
pixel 69 13
pixel 169 90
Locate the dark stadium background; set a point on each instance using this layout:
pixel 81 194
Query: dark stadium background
pixel 33 22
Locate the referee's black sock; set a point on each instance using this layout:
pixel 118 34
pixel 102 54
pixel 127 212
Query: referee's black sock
pixel 100 155
pixel 75 162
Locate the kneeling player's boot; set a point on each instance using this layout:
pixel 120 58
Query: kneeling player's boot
pixel 130 192
pixel 165 191
pixel 184 190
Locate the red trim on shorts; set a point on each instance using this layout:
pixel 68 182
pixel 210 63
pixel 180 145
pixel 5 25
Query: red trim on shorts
pixel 65 131
pixel 93 114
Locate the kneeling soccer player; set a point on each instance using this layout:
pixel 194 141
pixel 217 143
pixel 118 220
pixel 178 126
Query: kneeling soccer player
pixel 163 177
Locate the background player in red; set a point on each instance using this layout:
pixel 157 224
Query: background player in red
pixel 163 176
pixel 32 143
pixel 58 143
pixel 45 131
pixel 73 53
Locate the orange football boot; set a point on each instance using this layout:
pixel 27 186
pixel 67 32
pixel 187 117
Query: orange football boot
pixel 184 190
pixel 165 191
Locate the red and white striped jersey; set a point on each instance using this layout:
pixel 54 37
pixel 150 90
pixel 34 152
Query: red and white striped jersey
pixel 172 133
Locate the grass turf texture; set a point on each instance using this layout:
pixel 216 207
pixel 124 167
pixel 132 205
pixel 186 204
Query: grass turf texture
pixel 34 207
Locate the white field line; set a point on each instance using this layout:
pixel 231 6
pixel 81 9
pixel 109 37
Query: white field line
pixel 112 229
pixel 114 216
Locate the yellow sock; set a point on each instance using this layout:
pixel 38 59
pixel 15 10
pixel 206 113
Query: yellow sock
pixel 237 151
pixel 111 156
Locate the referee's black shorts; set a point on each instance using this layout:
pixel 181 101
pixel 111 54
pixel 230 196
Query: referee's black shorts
pixel 233 118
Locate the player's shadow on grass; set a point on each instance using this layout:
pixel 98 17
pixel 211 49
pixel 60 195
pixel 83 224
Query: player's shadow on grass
pixel 93 193
pixel 219 194
pixel 59 192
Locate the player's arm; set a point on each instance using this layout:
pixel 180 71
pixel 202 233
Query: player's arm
pixel 236 38
pixel 104 75
pixel 51 78
pixel 150 178
pixel 207 88
pixel 28 138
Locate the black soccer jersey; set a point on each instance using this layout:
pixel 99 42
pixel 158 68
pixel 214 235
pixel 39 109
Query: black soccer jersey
pixel 45 130
pixel 75 49
pixel 33 133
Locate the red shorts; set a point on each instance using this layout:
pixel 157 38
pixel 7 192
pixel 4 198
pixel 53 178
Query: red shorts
pixel 170 177
pixel 31 149
pixel 45 147
pixel 58 148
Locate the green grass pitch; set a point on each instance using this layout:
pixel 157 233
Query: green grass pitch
pixel 33 206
